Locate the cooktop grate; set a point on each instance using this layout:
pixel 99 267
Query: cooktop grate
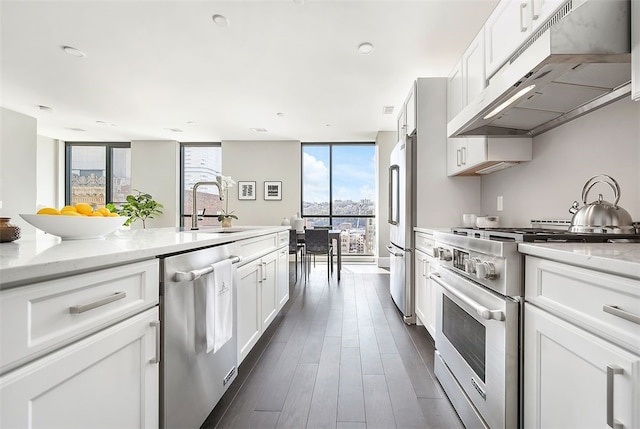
pixel 543 235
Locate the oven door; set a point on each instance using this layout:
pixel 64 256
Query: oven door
pixel 477 338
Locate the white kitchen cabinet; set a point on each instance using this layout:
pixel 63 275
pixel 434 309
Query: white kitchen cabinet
pixel 258 288
pixel 407 115
pixel 574 379
pixel 455 94
pixel 283 277
pixel 581 347
pixel 635 50
pixel 510 24
pixel 109 380
pixel 482 155
pixel 425 299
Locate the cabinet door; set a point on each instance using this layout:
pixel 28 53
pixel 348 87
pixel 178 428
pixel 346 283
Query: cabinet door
pixel 507 27
pixel 268 289
pixel 248 319
pixel 425 293
pixel 574 379
pixel 475 152
pixel 107 380
pixel 402 124
pixel 473 70
pixel 283 277
pixel 540 10
pixel 456 149
pixel 455 101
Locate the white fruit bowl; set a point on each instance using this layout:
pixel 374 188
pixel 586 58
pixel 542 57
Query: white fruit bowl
pixel 75 227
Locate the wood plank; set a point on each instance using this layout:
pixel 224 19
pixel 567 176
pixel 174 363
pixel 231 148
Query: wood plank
pixel 369 352
pixel 323 410
pixel 439 414
pixel 296 406
pixel 406 407
pixel 263 419
pixel 350 394
pixel 378 410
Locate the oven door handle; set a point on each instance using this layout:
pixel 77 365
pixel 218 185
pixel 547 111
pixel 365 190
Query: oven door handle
pixel 482 311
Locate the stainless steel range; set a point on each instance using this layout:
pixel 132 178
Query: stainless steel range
pixel 479 298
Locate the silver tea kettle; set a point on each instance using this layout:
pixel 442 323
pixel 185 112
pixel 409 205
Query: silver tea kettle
pixel 601 216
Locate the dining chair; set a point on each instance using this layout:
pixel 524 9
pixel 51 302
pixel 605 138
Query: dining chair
pixel 316 242
pixel 296 247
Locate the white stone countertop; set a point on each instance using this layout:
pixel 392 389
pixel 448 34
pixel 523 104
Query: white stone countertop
pixel 430 231
pixel 42 255
pixel 616 258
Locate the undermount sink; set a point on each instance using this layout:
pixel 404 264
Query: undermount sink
pixel 230 230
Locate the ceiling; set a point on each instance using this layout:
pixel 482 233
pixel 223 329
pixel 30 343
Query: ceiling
pixel 164 70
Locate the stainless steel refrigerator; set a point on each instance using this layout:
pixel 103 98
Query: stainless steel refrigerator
pixel 402 215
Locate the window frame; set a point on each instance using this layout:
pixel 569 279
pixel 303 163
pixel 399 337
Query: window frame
pixel 331 216
pixel 182 216
pixel 108 146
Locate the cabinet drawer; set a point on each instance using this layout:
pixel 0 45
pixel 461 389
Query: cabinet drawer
pixel 255 247
pixel 38 318
pixel 587 298
pixel 283 238
pixel 424 243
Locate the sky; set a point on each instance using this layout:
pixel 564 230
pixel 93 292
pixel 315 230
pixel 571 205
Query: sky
pixel 353 169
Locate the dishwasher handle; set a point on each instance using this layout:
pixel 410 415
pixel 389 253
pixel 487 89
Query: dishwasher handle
pixel 181 276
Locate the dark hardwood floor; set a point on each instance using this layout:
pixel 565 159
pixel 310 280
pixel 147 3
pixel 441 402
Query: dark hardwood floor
pixel 337 356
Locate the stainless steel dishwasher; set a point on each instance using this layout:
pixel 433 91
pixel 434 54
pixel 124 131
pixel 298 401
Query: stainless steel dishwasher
pixel 192 381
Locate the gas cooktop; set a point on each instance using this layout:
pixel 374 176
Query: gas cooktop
pixel 543 235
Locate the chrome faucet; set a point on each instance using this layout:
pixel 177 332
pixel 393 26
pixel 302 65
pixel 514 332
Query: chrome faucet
pixel 194 214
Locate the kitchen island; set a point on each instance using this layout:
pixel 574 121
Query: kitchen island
pixel 111 313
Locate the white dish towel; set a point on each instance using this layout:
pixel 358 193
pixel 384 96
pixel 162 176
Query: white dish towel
pixel 219 305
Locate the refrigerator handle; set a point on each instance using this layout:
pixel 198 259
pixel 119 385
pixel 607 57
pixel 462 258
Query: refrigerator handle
pixel 394 194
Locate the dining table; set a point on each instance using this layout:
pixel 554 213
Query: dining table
pixel 334 234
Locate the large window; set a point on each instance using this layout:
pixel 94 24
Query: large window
pixel 339 191
pixel 97 173
pixel 200 163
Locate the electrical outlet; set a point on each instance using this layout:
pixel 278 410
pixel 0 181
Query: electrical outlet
pixel 500 204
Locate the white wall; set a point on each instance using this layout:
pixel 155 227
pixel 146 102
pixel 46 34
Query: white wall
pixel 49 192
pixel 385 140
pixel 155 170
pixel 262 161
pixel 606 141
pixel 17 166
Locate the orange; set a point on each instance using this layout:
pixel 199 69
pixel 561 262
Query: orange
pixel 70 213
pixel 84 208
pixel 48 211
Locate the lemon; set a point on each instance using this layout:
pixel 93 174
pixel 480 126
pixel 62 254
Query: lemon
pixel 48 211
pixel 105 211
pixel 113 215
pixel 70 213
pixel 95 214
pixel 68 209
pixel 84 208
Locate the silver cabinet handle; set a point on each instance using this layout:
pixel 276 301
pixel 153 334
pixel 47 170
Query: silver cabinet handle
pixel 77 309
pixel 180 276
pixel 482 311
pixel 612 370
pixel 459 157
pixel 617 311
pixel 156 358
pixel 264 271
pixel 523 27
pixel 391 251
pixel 463 151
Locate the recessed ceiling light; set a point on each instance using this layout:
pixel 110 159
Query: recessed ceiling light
pixel 220 20
pixel 258 130
pixel 73 51
pixel 174 130
pixel 365 48
pixel 80 130
pixel 300 2
pixel 45 108
pixel 191 123
pixel 387 110
pixel 280 115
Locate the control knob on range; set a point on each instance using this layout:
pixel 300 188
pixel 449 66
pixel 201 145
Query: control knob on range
pixel 470 265
pixel 444 254
pixel 486 270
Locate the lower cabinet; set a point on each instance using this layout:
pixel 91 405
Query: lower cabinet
pixel 425 299
pixel 258 300
pixel 283 276
pixel 109 379
pixel 574 379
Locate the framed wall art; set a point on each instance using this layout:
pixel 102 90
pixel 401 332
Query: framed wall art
pixel 272 190
pixel 246 190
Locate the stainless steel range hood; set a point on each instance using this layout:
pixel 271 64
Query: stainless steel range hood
pixel 577 62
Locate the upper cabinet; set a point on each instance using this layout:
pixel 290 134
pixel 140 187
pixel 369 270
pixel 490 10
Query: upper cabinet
pixel 635 50
pixel 510 24
pixel 407 115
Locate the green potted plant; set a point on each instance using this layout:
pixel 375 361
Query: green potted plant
pixel 225 216
pixel 139 206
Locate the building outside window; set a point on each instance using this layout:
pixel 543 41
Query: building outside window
pixel 97 173
pixel 339 191
pixel 200 162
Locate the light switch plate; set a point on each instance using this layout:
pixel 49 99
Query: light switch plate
pixel 500 204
